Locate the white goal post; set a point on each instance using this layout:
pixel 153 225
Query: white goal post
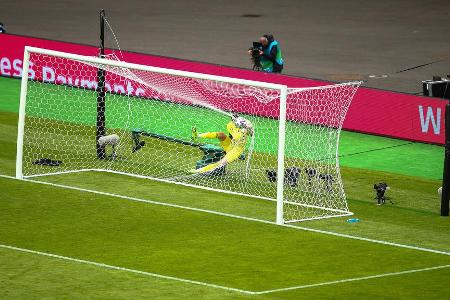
pixel 243 137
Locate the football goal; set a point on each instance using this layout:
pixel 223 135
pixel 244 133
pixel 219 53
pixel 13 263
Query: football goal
pixel 264 140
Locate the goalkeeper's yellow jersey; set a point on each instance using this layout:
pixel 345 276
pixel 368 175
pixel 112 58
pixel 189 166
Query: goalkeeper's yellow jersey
pixel 238 135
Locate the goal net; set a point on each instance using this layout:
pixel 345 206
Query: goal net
pixel 269 141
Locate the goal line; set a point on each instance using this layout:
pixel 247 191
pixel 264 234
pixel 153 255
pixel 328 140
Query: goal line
pixel 343 213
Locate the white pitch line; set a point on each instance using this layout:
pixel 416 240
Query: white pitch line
pixel 352 279
pixel 369 240
pixel 234 216
pixel 87 262
pixel 155 275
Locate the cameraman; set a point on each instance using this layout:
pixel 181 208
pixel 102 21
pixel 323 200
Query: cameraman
pixel 270 52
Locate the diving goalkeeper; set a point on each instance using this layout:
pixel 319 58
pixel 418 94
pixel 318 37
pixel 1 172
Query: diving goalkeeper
pixel 239 129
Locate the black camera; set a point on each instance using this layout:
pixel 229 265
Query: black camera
pixel 380 189
pixel 255 56
pixel 291 176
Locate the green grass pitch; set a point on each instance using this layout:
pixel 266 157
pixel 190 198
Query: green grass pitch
pixel 219 250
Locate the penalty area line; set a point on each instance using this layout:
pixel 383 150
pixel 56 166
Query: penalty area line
pixel 211 285
pixel 353 279
pixel 232 216
pixel 111 267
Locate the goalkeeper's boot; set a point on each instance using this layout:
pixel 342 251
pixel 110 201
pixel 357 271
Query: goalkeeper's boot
pixel 194 136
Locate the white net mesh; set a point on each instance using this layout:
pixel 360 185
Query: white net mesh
pixel 149 122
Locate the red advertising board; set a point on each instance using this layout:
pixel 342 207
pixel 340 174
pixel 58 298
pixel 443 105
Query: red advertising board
pixel 372 111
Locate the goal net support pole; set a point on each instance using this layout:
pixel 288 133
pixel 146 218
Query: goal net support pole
pixel 100 128
pixel 445 196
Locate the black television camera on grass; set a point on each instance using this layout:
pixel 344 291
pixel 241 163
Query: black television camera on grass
pixel 255 56
pixel 380 189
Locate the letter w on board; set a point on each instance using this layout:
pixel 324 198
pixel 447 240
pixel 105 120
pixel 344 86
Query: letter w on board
pixel 430 117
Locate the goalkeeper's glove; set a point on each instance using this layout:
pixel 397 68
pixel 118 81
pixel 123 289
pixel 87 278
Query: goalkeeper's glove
pixel 194 136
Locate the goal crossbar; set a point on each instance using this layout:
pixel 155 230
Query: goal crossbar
pixel 122 64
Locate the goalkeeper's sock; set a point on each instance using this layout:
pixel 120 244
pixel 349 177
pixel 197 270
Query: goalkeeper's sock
pixel 208 135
